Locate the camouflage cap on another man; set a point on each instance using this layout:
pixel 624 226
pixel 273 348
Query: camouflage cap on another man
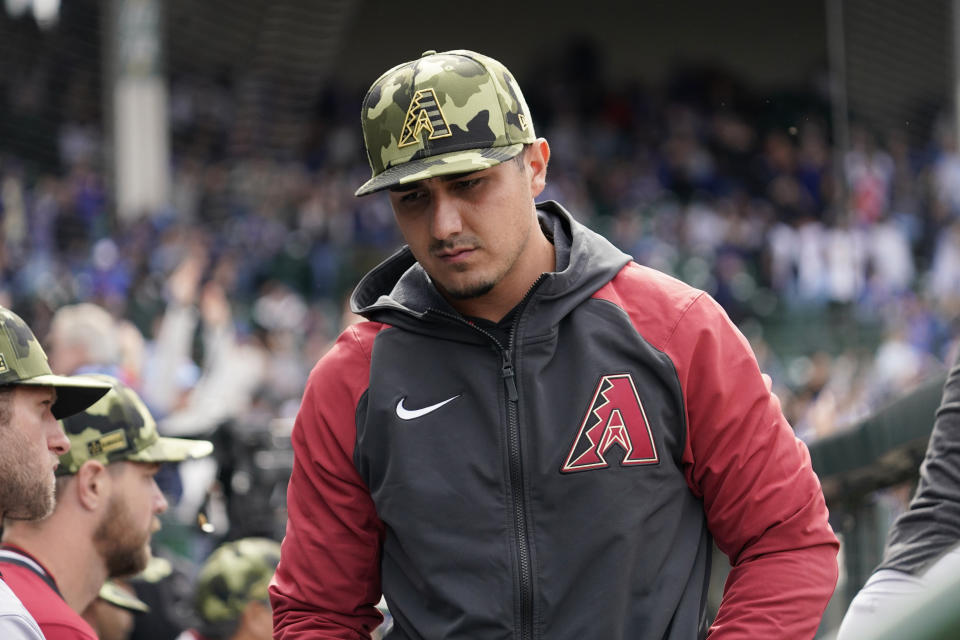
pixel 119 427
pixel 235 574
pixel 23 362
pixel 442 114
pixel 122 597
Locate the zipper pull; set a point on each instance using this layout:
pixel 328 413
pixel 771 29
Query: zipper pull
pixel 508 377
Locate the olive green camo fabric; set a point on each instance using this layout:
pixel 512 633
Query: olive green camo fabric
pixel 236 573
pixel 119 427
pixel 444 113
pixel 120 597
pixel 23 362
pixel 21 356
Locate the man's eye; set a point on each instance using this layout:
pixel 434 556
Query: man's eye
pixel 468 184
pixel 412 196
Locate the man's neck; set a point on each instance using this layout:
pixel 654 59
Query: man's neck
pixel 73 562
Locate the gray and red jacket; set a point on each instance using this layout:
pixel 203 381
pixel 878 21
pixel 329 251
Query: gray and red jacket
pixel 565 485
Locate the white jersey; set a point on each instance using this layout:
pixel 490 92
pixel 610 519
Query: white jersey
pixel 16 623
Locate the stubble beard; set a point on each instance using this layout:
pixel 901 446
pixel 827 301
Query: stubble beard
pixel 26 492
pixel 469 292
pixel 125 551
pixel 478 288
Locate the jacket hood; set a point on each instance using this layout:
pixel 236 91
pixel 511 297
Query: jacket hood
pixel 399 292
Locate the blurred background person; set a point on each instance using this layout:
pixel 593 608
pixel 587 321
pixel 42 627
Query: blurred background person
pixel 230 597
pixel 923 545
pixel 84 338
pixel 111 614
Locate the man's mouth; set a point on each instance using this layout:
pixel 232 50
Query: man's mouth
pixel 455 254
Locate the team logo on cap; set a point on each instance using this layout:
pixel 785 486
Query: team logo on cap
pixel 107 443
pixel 423 114
pixel 615 419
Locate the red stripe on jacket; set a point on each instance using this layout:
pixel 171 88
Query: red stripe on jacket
pixel 330 590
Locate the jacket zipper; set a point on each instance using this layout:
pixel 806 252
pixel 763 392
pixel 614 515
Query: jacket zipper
pixel 508 374
pixel 516 472
pixel 516 488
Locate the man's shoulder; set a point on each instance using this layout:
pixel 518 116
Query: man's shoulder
pixel 16 623
pixel 654 301
pixel 55 617
pixel 17 627
pixel 655 284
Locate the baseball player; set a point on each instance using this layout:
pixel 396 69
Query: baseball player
pixel 106 510
pixel 531 435
pixel 31 401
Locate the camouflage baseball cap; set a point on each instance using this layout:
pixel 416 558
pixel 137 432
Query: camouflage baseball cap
pixel 119 427
pixel 116 595
pixel 442 114
pixel 23 362
pixel 236 573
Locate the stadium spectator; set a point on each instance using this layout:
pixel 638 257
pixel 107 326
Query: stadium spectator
pixel 84 338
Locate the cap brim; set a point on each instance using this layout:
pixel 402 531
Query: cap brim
pixel 74 393
pixel 444 164
pixel 119 597
pixel 173 450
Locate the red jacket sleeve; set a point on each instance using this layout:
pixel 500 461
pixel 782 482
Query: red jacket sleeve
pixel 328 581
pixel 763 502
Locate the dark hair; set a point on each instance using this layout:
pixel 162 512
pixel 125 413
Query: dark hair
pixel 520 156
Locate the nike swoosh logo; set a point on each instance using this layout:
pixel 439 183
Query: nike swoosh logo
pixel 409 414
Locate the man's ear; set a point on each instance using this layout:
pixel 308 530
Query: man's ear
pixel 537 156
pixel 91 483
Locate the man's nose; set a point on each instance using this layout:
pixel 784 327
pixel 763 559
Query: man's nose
pixel 446 221
pixel 57 441
pixel 159 500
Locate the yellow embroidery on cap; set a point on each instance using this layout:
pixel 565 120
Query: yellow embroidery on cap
pixel 3 364
pixel 113 441
pixel 423 113
pixel 523 121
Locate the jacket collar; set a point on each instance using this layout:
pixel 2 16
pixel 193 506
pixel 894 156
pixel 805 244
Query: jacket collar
pixel 399 288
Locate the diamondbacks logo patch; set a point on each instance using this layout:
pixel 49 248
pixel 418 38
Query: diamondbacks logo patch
pixel 423 114
pixel 615 417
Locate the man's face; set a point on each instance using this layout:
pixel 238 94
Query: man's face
pixel 30 445
pixel 469 231
pixel 123 535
